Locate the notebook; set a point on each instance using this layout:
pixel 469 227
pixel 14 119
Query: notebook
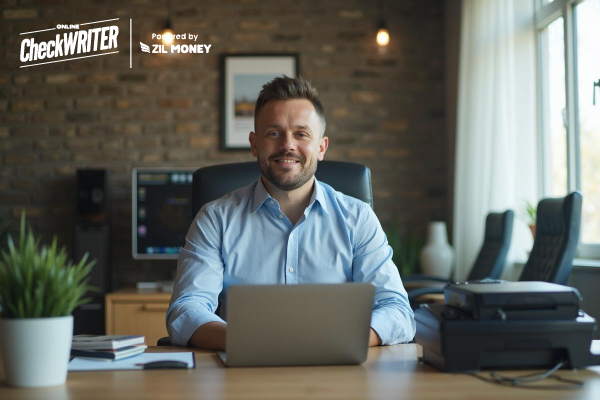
pixel 86 342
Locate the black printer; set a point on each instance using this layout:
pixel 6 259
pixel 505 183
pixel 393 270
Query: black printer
pixel 497 324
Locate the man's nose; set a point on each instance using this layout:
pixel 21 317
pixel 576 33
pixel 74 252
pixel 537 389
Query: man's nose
pixel 288 142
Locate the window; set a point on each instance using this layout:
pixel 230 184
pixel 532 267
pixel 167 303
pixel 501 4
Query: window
pixel 554 108
pixel 569 66
pixel 587 46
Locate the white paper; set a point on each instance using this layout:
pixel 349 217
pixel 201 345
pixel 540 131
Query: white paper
pixel 86 364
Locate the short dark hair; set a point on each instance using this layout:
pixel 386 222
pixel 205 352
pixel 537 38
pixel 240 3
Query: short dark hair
pixel 286 88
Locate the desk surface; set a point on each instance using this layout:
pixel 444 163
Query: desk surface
pixel 389 373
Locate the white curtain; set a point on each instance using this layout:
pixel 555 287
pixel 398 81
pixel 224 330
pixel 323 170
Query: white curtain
pixel 496 125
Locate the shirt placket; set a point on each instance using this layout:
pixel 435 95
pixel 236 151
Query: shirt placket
pixel 291 254
pixel 291 260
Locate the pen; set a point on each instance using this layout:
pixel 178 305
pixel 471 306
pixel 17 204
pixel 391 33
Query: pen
pixel 165 364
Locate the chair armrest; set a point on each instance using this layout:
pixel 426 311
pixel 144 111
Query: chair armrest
pixel 413 294
pixel 165 341
pixel 421 277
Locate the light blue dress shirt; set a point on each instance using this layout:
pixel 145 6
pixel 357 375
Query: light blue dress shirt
pixel 245 238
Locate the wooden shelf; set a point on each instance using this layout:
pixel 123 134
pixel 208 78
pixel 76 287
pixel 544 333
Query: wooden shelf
pixel 137 312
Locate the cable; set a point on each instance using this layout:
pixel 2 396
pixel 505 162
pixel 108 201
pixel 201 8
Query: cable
pixel 524 381
pixel 529 378
pixel 501 313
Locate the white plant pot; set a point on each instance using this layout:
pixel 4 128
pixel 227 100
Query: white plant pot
pixel 36 350
pixel 437 257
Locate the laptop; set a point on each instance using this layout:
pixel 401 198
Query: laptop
pixel 276 325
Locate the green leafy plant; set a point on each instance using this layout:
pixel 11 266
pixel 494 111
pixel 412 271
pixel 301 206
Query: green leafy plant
pixel 529 213
pixel 40 282
pixel 406 247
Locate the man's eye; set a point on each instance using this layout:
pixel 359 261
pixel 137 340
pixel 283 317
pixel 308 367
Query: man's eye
pixel 272 133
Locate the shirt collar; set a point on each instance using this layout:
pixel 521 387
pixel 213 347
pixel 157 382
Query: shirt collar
pixel 319 195
pixel 261 195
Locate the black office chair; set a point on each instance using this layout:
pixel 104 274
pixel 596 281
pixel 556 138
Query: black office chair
pixel 490 261
pixel 211 183
pixel 557 236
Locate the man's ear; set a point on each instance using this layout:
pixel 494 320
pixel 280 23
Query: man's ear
pixel 253 145
pixel 323 147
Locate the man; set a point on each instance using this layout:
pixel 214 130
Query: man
pixel 285 228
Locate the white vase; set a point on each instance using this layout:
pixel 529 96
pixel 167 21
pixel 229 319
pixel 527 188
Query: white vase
pixel 437 257
pixel 36 350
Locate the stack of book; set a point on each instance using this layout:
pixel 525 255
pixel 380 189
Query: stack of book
pixel 108 347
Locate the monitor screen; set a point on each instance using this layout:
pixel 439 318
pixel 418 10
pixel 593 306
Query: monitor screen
pixel 162 211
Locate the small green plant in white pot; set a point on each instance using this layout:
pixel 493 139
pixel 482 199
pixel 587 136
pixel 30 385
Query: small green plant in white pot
pixel 39 289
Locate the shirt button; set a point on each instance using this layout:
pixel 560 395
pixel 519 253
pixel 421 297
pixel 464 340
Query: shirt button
pixel 280 215
pixel 291 235
pixel 272 202
pixel 291 269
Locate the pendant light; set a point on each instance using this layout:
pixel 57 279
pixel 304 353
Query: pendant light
pixel 383 35
pixel 167 34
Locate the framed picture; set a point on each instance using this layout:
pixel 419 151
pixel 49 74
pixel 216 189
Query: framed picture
pixel 243 78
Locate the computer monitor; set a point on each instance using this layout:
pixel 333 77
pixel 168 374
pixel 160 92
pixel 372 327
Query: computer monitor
pixel 161 212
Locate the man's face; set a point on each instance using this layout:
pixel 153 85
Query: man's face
pixel 288 142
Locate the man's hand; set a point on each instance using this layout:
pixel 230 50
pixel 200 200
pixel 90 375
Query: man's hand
pixel 374 339
pixel 210 336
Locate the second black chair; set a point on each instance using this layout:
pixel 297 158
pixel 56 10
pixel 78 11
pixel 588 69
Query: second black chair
pixel 556 239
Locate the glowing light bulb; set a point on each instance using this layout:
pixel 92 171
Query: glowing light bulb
pixel 383 37
pixel 167 36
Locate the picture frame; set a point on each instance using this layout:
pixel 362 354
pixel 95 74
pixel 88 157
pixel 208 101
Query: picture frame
pixel 243 76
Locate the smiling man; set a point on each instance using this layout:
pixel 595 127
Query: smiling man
pixel 285 228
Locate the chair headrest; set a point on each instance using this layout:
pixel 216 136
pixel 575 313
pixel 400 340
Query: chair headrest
pixel 497 225
pixel 211 183
pixel 557 216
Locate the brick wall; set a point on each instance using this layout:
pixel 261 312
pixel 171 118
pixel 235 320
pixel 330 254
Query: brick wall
pixel 384 109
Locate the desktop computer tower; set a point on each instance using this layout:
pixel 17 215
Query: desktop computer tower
pixel 92 237
pixel 89 318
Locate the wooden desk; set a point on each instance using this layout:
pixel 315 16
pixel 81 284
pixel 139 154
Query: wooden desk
pixel 389 373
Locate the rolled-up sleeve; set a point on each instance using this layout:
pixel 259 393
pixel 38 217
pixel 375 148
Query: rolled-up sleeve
pixel 392 318
pixel 199 279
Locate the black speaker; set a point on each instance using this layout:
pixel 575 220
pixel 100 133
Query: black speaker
pixel 92 199
pixel 89 318
pixel 94 240
pixel 92 237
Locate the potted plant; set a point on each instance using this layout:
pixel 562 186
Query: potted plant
pixel 406 247
pixel 529 216
pixel 39 288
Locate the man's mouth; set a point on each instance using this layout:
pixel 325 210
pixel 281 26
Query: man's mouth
pixel 287 161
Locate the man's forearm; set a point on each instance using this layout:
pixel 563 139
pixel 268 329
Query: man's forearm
pixel 210 336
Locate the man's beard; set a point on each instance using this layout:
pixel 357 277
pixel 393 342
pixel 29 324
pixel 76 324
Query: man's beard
pixel 303 176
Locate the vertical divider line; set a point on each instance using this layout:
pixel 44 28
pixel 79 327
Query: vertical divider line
pixel 130 43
